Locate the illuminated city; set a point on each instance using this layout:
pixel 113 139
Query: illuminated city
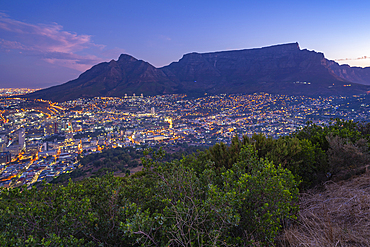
pixel 6 92
pixel 40 140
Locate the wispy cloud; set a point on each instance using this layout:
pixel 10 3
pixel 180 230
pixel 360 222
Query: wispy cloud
pixel 164 37
pixel 51 43
pixel 351 59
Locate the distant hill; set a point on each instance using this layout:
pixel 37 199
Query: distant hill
pixel 283 69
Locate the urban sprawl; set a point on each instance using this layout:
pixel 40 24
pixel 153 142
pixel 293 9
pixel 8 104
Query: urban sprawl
pixel 39 140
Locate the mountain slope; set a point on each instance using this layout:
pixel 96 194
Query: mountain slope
pixel 352 74
pixel 284 69
pixel 271 69
pixel 126 75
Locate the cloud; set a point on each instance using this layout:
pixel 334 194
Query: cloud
pixel 351 59
pixel 51 43
pixel 164 37
pixel 11 45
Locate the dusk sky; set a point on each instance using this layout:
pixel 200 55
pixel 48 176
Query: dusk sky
pixel 45 43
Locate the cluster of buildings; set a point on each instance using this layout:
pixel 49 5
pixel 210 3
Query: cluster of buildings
pixel 38 145
pixel 6 92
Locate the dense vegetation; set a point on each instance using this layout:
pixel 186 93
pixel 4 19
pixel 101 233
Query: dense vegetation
pixel 243 194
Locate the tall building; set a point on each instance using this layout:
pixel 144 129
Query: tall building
pixel 3 141
pixel 22 137
pixel 45 146
pixel 2 146
pixel 152 111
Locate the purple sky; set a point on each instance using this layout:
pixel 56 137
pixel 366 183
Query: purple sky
pixel 44 43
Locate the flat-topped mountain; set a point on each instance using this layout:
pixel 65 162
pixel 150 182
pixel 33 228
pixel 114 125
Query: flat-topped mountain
pixel 283 69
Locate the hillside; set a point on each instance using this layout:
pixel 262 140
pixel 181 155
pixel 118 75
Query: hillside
pixel 120 161
pixel 259 191
pixel 281 69
pixel 336 216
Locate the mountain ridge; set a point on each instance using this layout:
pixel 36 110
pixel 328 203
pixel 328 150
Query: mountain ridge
pixel 284 69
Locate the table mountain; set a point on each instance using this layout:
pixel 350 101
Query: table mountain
pixel 283 69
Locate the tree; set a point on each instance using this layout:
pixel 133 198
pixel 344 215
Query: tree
pixel 194 208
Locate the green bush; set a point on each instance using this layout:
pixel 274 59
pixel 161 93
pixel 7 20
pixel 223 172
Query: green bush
pixel 317 135
pixel 85 213
pixel 194 208
pixel 307 161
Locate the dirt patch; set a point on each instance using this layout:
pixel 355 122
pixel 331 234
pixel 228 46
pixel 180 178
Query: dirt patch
pixel 135 169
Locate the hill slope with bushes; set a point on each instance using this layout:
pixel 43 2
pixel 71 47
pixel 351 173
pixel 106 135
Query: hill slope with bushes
pixel 244 194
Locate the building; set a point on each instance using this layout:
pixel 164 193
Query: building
pixel 22 138
pixel 45 146
pixel 51 128
pixel 5 157
pixel 48 153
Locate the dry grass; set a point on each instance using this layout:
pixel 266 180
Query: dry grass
pixel 337 216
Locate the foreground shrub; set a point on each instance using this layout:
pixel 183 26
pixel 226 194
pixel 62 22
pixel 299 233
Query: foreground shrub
pixel 249 206
pixel 345 129
pixel 53 217
pixel 188 202
pixel 79 214
pixel 307 161
pixel 346 157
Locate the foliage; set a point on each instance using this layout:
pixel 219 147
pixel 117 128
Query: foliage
pixel 264 196
pixel 345 143
pixel 317 135
pixel 195 209
pixel 44 216
pixel 305 160
pixel 170 203
pixel 79 214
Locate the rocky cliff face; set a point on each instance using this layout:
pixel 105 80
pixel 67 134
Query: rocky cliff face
pixel 284 69
pixel 352 74
pixel 277 69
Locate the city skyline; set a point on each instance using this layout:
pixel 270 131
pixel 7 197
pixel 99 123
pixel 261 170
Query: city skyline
pixel 40 140
pixel 48 43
